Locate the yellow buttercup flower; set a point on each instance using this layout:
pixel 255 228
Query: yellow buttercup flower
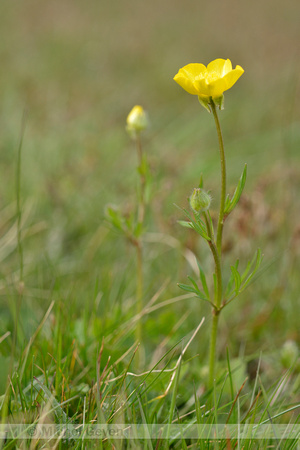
pixel 209 82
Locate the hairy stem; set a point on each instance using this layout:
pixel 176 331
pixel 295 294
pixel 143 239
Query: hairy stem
pixel 223 179
pixel 217 261
pixel 212 347
pixel 139 249
pixel 141 205
pixel 139 288
pixel 216 249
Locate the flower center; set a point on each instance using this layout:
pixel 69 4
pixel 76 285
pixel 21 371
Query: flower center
pixel 211 77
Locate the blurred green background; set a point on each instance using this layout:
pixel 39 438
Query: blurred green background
pixel 77 68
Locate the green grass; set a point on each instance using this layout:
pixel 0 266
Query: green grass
pixel 67 339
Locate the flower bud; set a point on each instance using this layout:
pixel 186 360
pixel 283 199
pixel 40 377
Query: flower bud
pixel 200 200
pixel 137 120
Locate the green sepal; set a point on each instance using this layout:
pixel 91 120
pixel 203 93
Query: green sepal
pixel 219 102
pixel 205 103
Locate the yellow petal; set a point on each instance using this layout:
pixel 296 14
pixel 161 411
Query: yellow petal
pixel 227 66
pixel 220 66
pixel 231 77
pixel 203 88
pixel 194 70
pixel 185 83
pixel 186 77
pixel 220 85
pixel 216 88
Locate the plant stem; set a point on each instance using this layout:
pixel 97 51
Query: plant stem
pixel 18 198
pixel 212 347
pixel 139 247
pixel 217 301
pixel 139 288
pixel 216 249
pixel 217 260
pixel 141 207
pixel 223 179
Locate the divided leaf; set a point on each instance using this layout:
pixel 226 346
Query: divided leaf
pixel 194 290
pixel 256 261
pixel 237 282
pixel 185 223
pixel 237 279
pixel 196 224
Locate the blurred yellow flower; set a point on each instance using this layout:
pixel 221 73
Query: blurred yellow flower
pixel 208 82
pixel 137 120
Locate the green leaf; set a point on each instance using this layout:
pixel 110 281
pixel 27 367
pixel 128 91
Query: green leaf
pixel 210 223
pixel 201 182
pixel 229 285
pixel 138 230
pixel 203 280
pixel 187 287
pixel 237 278
pixel 185 223
pixel 196 291
pixel 200 227
pixel 200 294
pixel 231 280
pixel 129 222
pixel 197 224
pixel 114 217
pixel 237 193
pixel 188 215
pixel 257 261
pixel 193 282
pixel 227 202
pixel 249 265
pixel 242 281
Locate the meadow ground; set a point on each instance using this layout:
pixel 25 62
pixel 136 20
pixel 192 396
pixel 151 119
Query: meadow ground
pixel 68 282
